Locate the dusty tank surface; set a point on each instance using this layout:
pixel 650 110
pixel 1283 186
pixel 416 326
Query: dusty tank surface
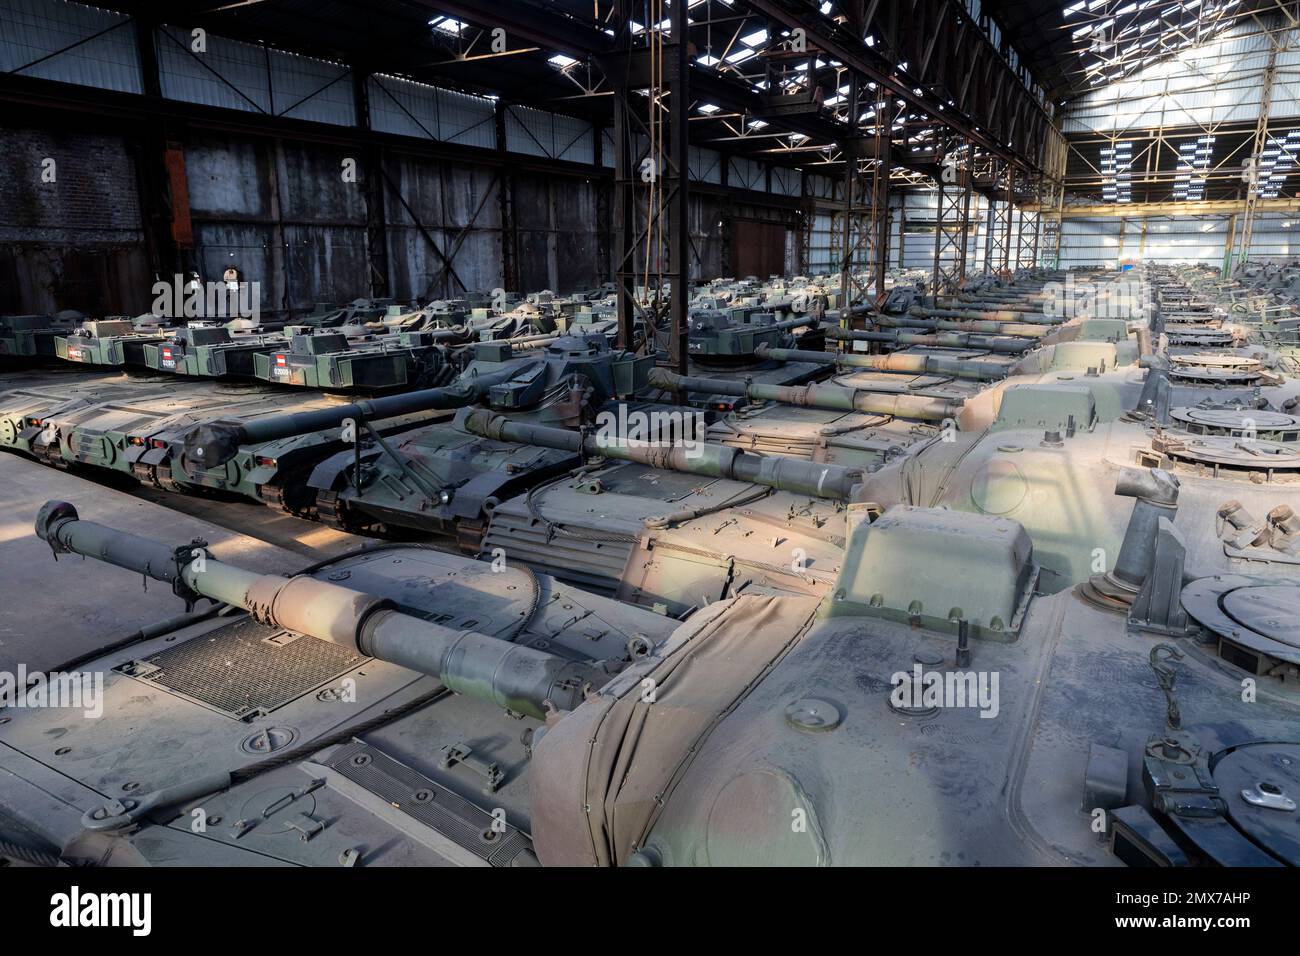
pixel 974 596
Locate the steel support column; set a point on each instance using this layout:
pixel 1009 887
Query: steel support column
pixel 845 231
pixel 624 210
pixel 372 192
pixel 678 228
pixel 951 224
pixel 1253 185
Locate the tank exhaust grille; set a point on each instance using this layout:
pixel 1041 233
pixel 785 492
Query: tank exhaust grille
pixel 242 671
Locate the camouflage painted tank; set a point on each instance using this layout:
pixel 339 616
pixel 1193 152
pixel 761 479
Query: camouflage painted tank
pixel 33 336
pixel 135 426
pixel 439 479
pixel 546 718
pixel 113 342
pixel 209 351
pixel 331 360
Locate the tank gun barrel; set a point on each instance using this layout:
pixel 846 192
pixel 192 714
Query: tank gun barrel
pixel 214 443
pixel 798 322
pixel 816 395
pixel 1004 344
pixel 478 665
pixel 698 458
pixel 1027 316
pixel 903 363
pixel 983 326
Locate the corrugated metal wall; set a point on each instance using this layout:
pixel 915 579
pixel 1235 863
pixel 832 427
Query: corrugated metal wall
pixel 1107 242
pixel 286 217
pixel 283 215
pixel 244 76
pixel 911 234
pixel 540 133
pixel 415 109
pixel 105 57
pixel 1215 82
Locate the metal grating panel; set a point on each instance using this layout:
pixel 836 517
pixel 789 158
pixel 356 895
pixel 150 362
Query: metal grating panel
pixel 429 803
pixel 243 671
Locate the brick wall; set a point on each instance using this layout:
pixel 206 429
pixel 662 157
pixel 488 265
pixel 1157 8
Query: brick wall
pixel 93 198
pixel 76 242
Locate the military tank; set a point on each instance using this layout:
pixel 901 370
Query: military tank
pixel 108 342
pixel 135 426
pixel 209 351
pixel 439 479
pixel 673 526
pixel 525 695
pixel 1059 632
pixel 32 336
pixel 330 360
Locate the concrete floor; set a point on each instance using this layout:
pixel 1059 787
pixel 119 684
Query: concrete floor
pixel 52 612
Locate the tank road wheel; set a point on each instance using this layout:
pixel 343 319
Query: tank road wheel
pixel 337 514
pixel 293 498
pixel 164 480
pixel 145 474
pixel 291 494
pixel 51 454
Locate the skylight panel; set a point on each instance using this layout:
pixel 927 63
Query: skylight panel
pixel 1276 162
pixel 448 25
pixel 1193 167
pixel 1116 163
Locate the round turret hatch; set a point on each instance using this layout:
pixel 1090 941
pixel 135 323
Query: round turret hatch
pixel 1211 360
pixel 1258 620
pixel 1228 419
pixel 1261 785
pixel 1271 610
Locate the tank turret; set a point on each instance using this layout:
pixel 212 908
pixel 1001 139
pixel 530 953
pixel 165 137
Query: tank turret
pixel 208 351
pixel 715 461
pixel 1007 344
pixel 815 395
pixel 27 336
pixel 736 334
pixel 329 359
pixel 107 342
pixel 910 363
pixel 440 479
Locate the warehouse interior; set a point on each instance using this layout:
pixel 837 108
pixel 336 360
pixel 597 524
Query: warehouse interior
pixel 585 433
pixel 481 166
